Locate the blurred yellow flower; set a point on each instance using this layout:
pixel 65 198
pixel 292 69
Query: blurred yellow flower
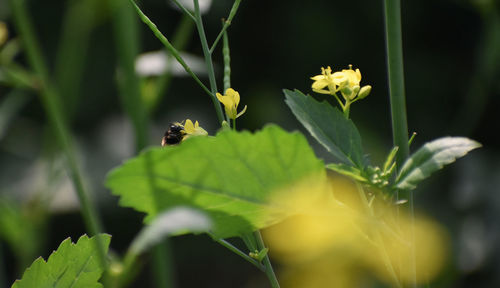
pixel 194 129
pixel 4 33
pixel 337 233
pixel 230 101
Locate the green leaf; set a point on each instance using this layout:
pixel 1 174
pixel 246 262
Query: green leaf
pixel 170 222
pixel 348 171
pixel 329 126
pixel 231 177
pixel 432 157
pixel 72 265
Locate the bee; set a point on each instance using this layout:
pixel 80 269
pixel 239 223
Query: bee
pixel 174 134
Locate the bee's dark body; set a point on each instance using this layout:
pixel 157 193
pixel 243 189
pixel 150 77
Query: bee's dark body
pixel 174 134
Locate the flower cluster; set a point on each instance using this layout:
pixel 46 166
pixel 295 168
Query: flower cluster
pixel 347 82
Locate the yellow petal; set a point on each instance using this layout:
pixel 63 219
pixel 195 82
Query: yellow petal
pixel 234 95
pixel 340 78
pixel 318 77
pixel 188 126
pixel 320 84
pixel 219 96
pixel 358 73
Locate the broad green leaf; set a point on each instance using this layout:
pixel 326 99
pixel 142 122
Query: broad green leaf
pixel 71 265
pixel 432 157
pixel 231 177
pixel 176 220
pixel 329 126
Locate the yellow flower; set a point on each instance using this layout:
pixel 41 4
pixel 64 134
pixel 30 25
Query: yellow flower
pixel 348 82
pixel 325 80
pixel 4 33
pixel 230 102
pixel 194 129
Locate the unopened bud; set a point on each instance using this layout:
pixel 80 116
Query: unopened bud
pixel 365 91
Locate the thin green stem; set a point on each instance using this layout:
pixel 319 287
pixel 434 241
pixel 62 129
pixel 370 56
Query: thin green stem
pixel 51 103
pixel 347 109
pixel 396 78
pixel 394 48
pixel 162 258
pixel 234 124
pixel 338 100
pixel 227 22
pixel 180 39
pixel 183 9
pixel 127 39
pixel 178 57
pixel 227 62
pixel 208 58
pixel 273 280
pixel 239 253
pixel 78 21
pixel 378 238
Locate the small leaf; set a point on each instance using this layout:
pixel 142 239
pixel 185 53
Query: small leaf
pixel 346 170
pixel 390 158
pixel 432 157
pixel 72 265
pixel 231 177
pixel 176 220
pixel 329 126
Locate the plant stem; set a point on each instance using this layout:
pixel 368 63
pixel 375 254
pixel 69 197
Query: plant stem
pixel 180 39
pixel 178 57
pixel 394 48
pixel 267 263
pixel 183 9
pixel 208 58
pixel 162 258
pixel 227 22
pixel 78 21
pixel 239 253
pixel 51 103
pixel 396 79
pixel 378 237
pixel 227 62
pixel 127 39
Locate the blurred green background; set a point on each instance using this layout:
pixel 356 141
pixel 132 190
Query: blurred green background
pixel 452 70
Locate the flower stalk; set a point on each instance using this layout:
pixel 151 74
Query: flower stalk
pixel 394 46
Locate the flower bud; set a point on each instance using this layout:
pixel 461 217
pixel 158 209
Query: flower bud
pixel 365 91
pixel 347 92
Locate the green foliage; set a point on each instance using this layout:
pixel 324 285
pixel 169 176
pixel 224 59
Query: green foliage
pixel 231 177
pixel 71 265
pixel 432 157
pixel 21 229
pixel 328 125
